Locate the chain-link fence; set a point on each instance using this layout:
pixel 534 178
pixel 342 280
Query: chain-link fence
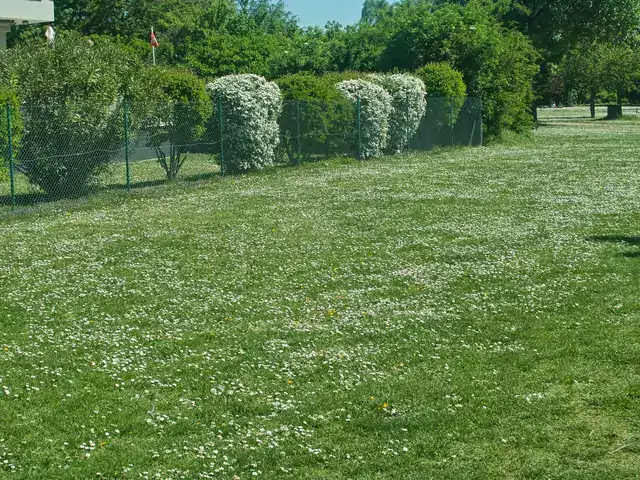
pixel 50 151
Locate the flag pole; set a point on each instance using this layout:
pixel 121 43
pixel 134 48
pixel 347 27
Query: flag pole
pixel 154 50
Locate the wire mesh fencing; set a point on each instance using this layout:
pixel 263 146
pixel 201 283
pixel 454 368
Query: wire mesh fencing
pixel 54 151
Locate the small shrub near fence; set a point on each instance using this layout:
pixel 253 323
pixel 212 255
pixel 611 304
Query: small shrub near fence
pixel 408 103
pixel 374 107
pixel 122 151
pixel 249 106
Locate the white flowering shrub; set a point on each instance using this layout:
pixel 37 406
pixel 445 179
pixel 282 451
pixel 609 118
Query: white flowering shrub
pixel 250 109
pixel 375 108
pixel 409 103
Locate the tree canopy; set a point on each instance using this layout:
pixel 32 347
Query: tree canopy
pixel 498 46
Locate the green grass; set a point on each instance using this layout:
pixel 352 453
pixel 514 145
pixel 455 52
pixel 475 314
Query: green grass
pixel 143 173
pixel 468 313
pixel 583 114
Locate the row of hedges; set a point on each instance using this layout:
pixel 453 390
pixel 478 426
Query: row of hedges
pixel 72 98
pixel 326 111
pixel 390 109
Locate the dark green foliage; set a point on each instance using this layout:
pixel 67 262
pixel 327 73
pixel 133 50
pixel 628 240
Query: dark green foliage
pixel 373 9
pixel 504 84
pixel 557 26
pixel 497 64
pixel 73 96
pixel 9 99
pixel 326 117
pixel 215 38
pixel 447 92
pixel 179 114
pixel 604 71
pixel 442 80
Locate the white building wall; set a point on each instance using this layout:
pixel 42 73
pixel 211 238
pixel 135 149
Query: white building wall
pixel 26 11
pixel 18 12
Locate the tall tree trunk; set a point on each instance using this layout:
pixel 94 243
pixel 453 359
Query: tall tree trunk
pixel 619 95
pixel 592 102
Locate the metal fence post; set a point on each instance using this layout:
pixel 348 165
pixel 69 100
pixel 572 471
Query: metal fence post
pixel 481 124
pixel 220 117
pixel 359 129
pixel 408 129
pixel 126 144
pixel 453 142
pixel 299 136
pixel 12 177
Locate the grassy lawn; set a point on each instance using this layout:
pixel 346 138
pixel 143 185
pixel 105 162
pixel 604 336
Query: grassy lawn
pixel 583 114
pixel 143 173
pixel 469 313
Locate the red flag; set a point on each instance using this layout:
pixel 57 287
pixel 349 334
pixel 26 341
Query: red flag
pixel 154 42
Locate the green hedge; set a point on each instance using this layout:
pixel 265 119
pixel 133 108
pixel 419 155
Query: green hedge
pixel 9 98
pixel 326 118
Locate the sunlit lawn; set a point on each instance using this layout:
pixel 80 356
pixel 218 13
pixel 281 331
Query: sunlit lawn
pixel 142 173
pixel 458 314
pixel 582 113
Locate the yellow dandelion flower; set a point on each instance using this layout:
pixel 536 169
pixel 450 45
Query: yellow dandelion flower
pixel 290 382
pixel 385 405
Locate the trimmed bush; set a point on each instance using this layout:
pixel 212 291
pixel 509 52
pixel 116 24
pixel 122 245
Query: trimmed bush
pixel 326 116
pixel 7 97
pixel 408 107
pixel 72 97
pixel 446 92
pixel 375 109
pixel 250 109
pixel 177 122
pixel 444 82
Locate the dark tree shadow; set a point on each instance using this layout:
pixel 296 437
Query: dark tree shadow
pixel 27 199
pixel 628 240
pixel 35 198
pixel 200 176
pixel 134 185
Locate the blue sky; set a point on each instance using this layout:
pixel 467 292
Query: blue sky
pixel 319 12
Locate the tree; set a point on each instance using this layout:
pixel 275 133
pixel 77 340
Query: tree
pixel 72 98
pixel 621 67
pixel 557 26
pixel 178 118
pixel 591 67
pixel 222 37
pixel 447 93
pixel 372 9
pixel 583 70
pixel 497 64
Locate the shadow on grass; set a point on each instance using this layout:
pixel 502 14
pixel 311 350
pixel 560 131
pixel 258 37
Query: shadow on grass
pixel 35 198
pixel 28 199
pixel 628 240
pixel 615 239
pixel 200 177
pixel 134 185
